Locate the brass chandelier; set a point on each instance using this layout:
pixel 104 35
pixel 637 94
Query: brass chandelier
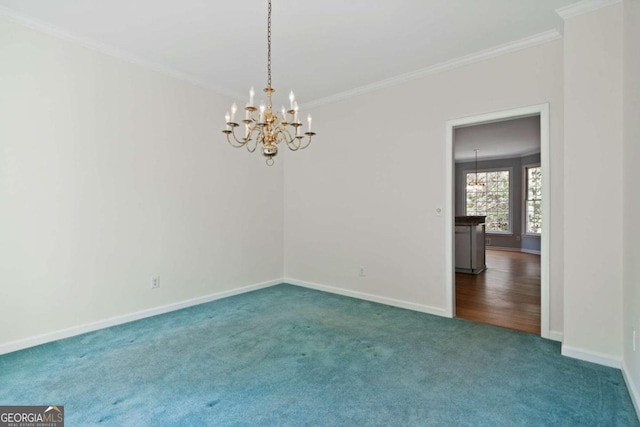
pixel 269 128
pixel 476 185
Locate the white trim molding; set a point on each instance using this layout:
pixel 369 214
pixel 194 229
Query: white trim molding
pixel 584 6
pixel 508 249
pixel 513 46
pixel 131 58
pixel 556 336
pixel 531 251
pixel 632 387
pixel 527 42
pixel 592 356
pixel 368 297
pixel 119 320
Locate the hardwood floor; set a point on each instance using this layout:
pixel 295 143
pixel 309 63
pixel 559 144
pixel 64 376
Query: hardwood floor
pixel 507 294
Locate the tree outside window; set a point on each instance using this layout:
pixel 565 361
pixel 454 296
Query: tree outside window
pixel 533 203
pixel 491 200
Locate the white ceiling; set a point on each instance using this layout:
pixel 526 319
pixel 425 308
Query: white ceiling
pixel 503 139
pixel 320 48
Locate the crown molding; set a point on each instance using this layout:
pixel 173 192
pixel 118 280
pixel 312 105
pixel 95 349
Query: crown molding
pixel 584 6
pixel 52 30
pixel 482 55
pixel 527 42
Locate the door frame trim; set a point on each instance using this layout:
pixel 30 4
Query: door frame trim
pixel 449 207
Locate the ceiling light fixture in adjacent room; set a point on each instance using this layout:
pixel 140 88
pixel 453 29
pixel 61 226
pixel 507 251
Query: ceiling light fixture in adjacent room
pixel 476 185
pixel 269 128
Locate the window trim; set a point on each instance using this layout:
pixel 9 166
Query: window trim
pixel 509 169
pixel 525 185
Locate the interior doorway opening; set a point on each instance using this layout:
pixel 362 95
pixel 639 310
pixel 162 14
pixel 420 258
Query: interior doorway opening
pixel 512 203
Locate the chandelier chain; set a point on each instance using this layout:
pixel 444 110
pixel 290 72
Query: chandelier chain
pixel 269 46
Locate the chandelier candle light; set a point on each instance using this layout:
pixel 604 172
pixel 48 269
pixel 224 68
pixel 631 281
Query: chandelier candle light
pixel 270 128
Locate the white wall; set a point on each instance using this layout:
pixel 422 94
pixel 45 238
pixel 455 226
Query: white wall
pixel 631 224
pixel 111 174
pixel 367 193
pixel 593 184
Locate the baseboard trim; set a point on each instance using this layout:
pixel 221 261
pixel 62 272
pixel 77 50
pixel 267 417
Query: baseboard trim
pixel 530 251
pixel 369 297
pixel 592 356
pixel 556 336
pixel 631 386
pixel 508 249
pixel 126 318
pixel 502 248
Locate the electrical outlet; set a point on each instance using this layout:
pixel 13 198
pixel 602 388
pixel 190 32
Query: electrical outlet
pixel 362 271
pixel 517 238
pixel 155 282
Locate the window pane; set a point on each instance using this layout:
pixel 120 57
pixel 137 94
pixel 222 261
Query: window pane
pixel 491 200
pixel 533 215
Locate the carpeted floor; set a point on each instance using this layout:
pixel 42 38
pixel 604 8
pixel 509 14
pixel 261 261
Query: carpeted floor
pixel 288 356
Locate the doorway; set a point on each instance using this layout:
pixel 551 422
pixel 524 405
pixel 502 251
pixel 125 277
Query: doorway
pixel 506 227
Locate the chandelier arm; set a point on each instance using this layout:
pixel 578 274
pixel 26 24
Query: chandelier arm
pixel 292 142
pixel 255 145
pixel 292 146
pixel 237 143
pixel 292 138
pixel 280 130
pixel 302 147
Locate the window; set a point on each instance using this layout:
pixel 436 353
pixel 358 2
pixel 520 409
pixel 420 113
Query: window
pixel 533 200
pixel 491 200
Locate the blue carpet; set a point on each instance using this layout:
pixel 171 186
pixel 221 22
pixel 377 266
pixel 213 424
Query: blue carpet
pixel 288 356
